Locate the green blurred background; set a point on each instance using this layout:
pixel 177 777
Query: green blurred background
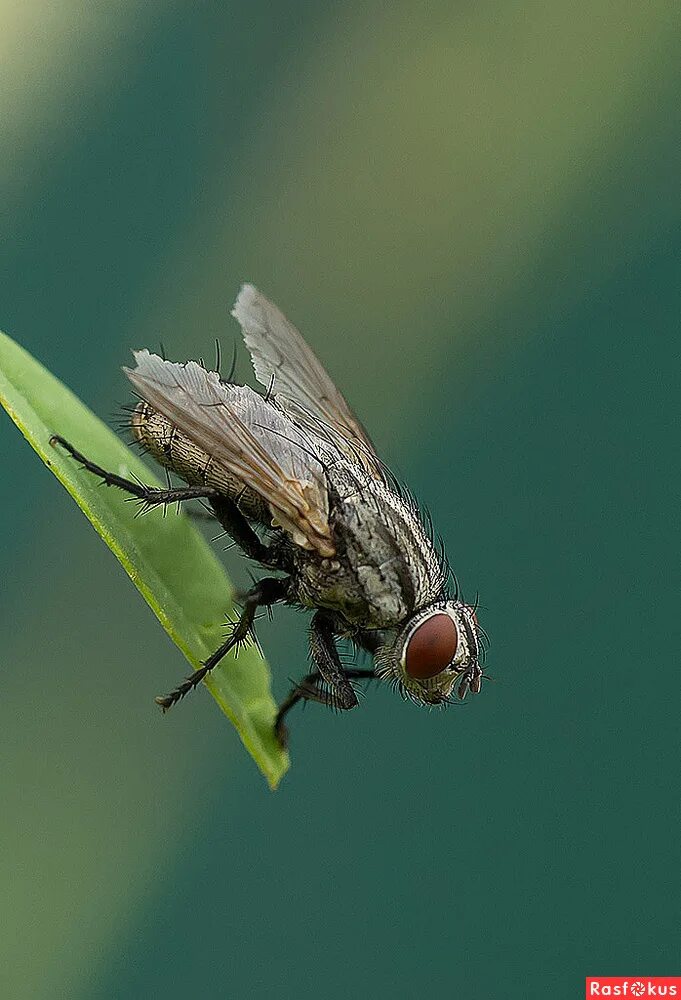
pixel 472 211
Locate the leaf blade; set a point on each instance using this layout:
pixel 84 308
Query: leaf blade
pixel 169 562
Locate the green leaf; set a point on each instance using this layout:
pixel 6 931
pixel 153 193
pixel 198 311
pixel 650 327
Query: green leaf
pixel 169 562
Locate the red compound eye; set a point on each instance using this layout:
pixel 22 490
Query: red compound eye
pixel 431 646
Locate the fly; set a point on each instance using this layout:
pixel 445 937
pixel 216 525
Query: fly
pixel 294 479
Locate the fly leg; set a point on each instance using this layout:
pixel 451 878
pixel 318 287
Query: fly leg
pixel 238 528
pixel 329 683
pixel 327 661
pixel 265 592
pixel 224 509
pixel 311 688
pixel 150 496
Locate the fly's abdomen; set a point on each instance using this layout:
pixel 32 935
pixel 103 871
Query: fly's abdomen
pixel 170 447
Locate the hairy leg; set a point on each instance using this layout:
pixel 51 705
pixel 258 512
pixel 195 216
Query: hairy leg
pixel 312 688
pixel 265 592
pixel 149 496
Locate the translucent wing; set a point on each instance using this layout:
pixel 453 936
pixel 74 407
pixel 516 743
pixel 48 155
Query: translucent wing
pixel 248 437
pixel 283 362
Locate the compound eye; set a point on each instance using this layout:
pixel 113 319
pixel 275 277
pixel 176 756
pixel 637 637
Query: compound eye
pixel 431 647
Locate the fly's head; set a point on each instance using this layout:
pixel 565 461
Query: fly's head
pixel 436 653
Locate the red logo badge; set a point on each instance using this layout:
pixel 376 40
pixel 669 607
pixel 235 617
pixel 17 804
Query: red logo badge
pixel 633 986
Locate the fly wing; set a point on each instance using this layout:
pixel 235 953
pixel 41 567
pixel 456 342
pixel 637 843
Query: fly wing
pixel 283 362
pixel 248 437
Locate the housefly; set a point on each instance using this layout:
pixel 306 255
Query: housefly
pixel 293 478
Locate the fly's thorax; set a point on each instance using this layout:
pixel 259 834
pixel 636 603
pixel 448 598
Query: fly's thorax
pixel 436 651
pixel 328 583
pixel 383 546
pixel 170 447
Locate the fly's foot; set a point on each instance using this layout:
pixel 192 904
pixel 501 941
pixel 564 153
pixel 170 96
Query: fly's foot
pixel 267 591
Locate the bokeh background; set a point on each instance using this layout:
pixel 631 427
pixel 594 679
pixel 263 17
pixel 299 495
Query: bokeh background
pixel 472 211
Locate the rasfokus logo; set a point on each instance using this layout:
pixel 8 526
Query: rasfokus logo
pixel 633 986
